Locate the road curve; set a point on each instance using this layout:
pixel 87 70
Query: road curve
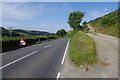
pixel 37 61
pixel 107 52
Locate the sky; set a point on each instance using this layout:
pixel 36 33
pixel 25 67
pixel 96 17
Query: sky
pixel 59 0
pixel 50 16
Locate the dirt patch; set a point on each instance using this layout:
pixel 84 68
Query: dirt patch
pixel 83 46
pixel 103 63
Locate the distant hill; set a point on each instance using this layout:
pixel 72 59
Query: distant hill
pixel 20 32
pixel 107 24
pixel 4 31
pixel 30 32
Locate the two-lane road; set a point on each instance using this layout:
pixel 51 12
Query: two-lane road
pixel 37 61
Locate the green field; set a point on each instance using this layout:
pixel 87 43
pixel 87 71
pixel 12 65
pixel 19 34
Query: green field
pixel 81 50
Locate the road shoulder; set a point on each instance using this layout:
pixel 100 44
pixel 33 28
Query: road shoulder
pixel 107 67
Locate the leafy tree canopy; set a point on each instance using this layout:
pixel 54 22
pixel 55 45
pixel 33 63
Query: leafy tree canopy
pixel 75 19
pixel 84 22
pixel 61 32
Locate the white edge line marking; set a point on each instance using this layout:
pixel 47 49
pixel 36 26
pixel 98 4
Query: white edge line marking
pixel 48 45
pixel 17 60
pixel 65 53
pixel 58 76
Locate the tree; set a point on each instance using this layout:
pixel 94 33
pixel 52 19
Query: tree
pixel 84 26
pixel 75 19
pixel 61 32
pixel 53 34
pixel 84 22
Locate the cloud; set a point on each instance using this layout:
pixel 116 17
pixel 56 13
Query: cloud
pixel 86 18
pixel 11 24
pixel 105 9
pixel 96 13
pixel 52 28
pixel 21 10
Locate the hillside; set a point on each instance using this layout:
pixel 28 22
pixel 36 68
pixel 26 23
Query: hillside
pixel 20 32
pixel 32 32
pixel 6 32
pixel 107 24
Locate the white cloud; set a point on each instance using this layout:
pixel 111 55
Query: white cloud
pixel 105 9
pixel 86 18
pixel 96 14
pixel 11 24
pixel 52 28
pixel 107 13
pixel 21 10
pixel 8 24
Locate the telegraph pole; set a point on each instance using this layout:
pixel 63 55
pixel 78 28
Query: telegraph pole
pixel 10 28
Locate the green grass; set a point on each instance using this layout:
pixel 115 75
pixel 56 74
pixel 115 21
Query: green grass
pixel 81 50
pixel 107 24
pixel 85 28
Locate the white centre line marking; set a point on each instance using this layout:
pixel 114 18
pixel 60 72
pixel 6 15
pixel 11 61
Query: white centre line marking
pixel 65 53
pixel 17 60
pixel 27 47
pixel 58 76
pixel 48 45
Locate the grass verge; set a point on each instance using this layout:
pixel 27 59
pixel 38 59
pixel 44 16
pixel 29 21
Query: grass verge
pixel 82 50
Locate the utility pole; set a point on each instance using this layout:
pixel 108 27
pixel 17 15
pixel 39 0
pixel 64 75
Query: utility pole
pixel 10 28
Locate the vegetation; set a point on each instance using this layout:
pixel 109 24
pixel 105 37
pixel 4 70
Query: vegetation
pixel 61 32
pixel 31 37
pixel 81 50
pixel 20 32
pixel 32 32
pixel 7 41
pixel 6 32
pixel 75 19
pixel 85 27
pixel 107 24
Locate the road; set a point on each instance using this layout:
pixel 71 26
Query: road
pixel 38 61
pixel 107 52
pixel 90 28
